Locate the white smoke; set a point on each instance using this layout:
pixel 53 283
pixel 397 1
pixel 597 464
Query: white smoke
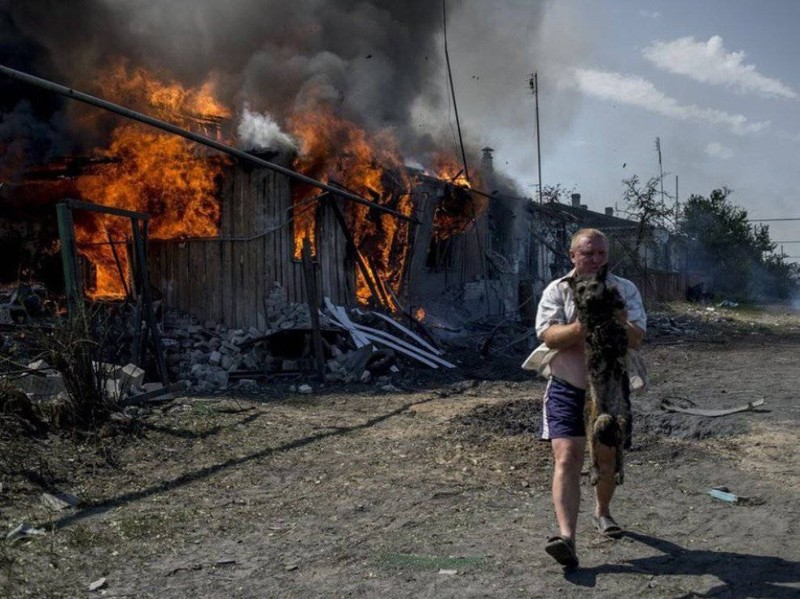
pixel 261 132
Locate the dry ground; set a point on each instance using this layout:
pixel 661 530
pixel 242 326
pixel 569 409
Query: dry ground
pixel 440 490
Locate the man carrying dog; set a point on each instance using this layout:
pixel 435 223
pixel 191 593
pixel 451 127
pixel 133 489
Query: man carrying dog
pixel 561 359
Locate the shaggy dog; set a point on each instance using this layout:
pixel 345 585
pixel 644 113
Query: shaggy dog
pixel 607 413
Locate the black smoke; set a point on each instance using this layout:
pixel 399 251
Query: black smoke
pixel 370 61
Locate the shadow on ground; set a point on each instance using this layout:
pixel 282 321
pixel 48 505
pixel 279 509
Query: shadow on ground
pixel 741 574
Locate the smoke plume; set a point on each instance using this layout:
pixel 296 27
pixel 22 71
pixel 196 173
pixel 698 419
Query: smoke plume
pixel 379 63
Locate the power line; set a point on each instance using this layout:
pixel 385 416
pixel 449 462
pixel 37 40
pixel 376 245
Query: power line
pixel 764 220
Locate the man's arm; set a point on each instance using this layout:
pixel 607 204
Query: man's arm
pixel 634 332
pixel 635 335
pixel 562 336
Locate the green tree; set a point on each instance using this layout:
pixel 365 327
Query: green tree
pixel 737 256
pixel 645 204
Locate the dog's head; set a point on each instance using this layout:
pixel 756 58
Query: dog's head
pixel 592 293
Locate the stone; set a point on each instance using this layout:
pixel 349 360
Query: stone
pixel 131 375
pixel 229 348
pixel 61 501
pixel 39 365
pixel 305 389
pixel 22 531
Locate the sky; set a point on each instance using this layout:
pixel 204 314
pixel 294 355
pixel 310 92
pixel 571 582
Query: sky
pixel 716 80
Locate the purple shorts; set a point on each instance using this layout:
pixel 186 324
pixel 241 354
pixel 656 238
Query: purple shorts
pixel 562 412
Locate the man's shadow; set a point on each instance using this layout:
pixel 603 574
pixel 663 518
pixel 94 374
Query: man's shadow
pixel 742 574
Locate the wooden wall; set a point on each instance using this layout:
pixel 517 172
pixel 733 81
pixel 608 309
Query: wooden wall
pixel 660 286
pixel 227 279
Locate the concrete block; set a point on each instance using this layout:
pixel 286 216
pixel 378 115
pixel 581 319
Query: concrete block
pixel 131 375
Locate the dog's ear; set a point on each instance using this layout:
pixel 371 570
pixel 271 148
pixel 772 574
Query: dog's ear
pixel 569 281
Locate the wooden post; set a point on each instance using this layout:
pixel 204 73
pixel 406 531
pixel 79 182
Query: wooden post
pixel 111 243
pixel 140 244
pixel 72 281
pixel 312 296
pixel 354 249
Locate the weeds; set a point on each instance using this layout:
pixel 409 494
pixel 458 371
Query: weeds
pixel 73 348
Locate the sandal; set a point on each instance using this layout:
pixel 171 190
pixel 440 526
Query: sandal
pixel 562 550
pixel 607 527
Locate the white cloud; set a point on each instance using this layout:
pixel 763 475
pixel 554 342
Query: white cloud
pixel 636 91
pixel 717 150
pixel 650 14
pixel 787 136
pixel 709 62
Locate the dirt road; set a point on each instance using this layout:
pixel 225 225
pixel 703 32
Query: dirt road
pixel 438 491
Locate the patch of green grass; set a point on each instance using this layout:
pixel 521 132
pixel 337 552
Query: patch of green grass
pixel 415 561
pixel 202 408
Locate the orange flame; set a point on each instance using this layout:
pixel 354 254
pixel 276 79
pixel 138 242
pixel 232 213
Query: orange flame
pixel 139 88
pixel 449 170
pixel 153 172
pixel 334 149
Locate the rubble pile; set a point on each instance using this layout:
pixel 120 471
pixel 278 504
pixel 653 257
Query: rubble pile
pixel 357 346
pixel 210 357
pixel 698 322
pixel 663 325
pixel 21 302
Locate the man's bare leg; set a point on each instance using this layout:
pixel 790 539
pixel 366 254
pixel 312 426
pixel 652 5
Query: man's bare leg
pixel 604 490
pixel 568 461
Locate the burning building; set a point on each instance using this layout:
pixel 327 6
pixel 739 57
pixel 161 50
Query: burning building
pixel 223 231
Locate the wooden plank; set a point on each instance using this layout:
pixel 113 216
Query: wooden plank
pixel 212 277
pixel 260 283
pixel 395 345
pixel 424 209
pixel 166 273
pixel 274 240
pixel 283 253
pixel 252 284
pixel 408 332
pixel 192 278
pixel 378 336
pixel 382 337
pixel 237 259
pixel 341 318
pixel 324 254
pixel 313 308
pixel 268 243
pixel 226 279
pixel 177 275
pixel 200 303
pixel 340 220
pixel 226 199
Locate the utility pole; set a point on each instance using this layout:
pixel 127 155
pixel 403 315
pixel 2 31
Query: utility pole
pixel 453 90
pixel 534 85
pixel 660 168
